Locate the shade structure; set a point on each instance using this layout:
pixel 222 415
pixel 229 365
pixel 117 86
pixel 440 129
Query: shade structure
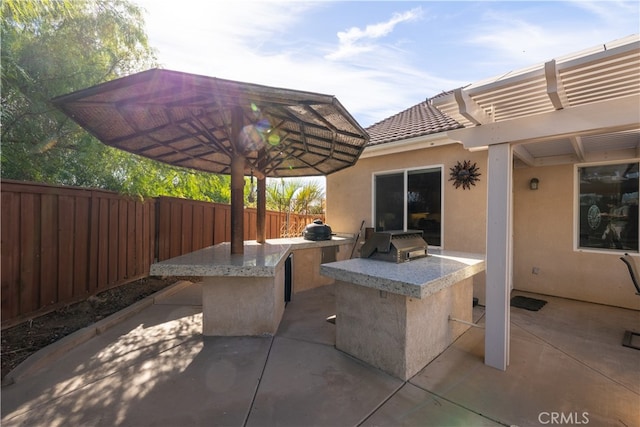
pixel 220 126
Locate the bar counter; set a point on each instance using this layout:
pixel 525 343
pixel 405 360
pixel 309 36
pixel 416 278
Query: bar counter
pixel 244 294
pixel 399 317
pixel 417 279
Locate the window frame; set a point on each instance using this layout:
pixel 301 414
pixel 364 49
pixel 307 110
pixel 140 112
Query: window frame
pixel 405 172
pixel 576 208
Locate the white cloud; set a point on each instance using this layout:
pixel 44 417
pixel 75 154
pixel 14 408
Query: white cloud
pixel 355 40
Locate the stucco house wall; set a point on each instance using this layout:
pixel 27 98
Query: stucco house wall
pixel 545 260
pixel 350 195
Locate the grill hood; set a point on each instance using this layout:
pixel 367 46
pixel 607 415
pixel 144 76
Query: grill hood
pixel 395 246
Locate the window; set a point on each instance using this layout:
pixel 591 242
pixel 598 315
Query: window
pixel 609 206
pixel 410 200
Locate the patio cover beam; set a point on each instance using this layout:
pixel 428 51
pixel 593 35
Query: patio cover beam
pixel 555 88
pixel 578 147
pixel 521 152
pixel 469 109
pixel 610 116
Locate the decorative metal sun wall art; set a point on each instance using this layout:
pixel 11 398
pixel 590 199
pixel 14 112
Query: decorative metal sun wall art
pixel 464 174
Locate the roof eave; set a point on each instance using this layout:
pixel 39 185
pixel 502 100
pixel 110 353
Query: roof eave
pixel 409 144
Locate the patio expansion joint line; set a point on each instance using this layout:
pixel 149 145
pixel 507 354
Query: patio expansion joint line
pixel 430 392
pixel 591 368
pixel 307 341
pixel 384 401
pixel 480 414
pixel 255 393
pixel 409 381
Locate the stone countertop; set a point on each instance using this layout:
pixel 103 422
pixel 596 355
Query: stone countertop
pixel 258 260
pixel 417 279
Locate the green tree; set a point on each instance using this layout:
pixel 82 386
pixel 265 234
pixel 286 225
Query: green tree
pixel 53 47
pixel 280 194
pixel 309 199
pixel 295 196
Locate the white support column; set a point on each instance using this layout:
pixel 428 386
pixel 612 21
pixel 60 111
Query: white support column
pixel 499 256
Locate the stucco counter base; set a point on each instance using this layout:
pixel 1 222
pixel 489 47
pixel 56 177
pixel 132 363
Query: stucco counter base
pixel 243 294
pixel 396 317
pixel 240 306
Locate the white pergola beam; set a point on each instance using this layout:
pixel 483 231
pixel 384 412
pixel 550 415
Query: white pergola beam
pixel 605 116
pixel 470 109
pixel 555 88
pixel 576 143
pixel 521 152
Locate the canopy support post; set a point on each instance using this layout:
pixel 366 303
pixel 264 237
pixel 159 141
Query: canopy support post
pixel 262 210
pixel 237 185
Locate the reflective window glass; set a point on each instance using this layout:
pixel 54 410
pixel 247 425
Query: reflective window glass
pixel 609 206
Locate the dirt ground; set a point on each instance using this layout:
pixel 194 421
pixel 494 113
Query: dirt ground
pixel 24 339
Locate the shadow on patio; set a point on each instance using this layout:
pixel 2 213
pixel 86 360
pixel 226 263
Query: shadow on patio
pixel 567 367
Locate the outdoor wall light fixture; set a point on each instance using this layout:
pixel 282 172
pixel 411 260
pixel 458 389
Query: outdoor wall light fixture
pixel 533 184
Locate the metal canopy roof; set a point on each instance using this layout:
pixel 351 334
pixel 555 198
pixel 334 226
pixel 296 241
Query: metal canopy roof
pixel 186 120
pixel 221 126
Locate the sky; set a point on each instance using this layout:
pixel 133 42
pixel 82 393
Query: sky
pixel 377 58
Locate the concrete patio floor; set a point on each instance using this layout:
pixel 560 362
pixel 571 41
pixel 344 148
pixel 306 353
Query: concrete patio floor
pixel 567 367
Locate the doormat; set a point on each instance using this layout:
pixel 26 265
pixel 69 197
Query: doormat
pixel 527 303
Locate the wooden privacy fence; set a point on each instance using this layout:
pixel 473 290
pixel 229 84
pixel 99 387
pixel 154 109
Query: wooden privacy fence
pixel 188 225
pixel 63 244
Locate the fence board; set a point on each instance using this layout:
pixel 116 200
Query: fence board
pixel 149 249
pixel 144 231
pixel 81 248
pixel 10 249
pixel 121 244
pixel 29 252
pixel 164 223
pixel 175 231
pixel 131 240
pixel 197 237
pixel 112 236
pixel 94 244
pixel 49 248
pixel 250 219
pixel 66 219
pixel 103 241
pixel 186 228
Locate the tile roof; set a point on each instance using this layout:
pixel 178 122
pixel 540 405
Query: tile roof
pixel 421 119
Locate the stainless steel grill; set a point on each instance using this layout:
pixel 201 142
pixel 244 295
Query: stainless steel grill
pixel 395 246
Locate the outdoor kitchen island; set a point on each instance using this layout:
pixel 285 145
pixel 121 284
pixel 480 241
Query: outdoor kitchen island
pixel 398 316
pixel 244 294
